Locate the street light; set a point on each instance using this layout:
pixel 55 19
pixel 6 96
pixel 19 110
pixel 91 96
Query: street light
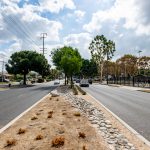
pixel 139 61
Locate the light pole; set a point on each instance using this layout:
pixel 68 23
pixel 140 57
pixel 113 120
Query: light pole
pixel 139 61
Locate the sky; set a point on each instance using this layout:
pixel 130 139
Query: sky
pixel 74 23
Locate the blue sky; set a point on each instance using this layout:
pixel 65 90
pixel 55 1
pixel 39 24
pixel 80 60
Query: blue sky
pixel 74 23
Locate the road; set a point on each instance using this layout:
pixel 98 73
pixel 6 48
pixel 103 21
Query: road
pixel 14 101
pixel 133 107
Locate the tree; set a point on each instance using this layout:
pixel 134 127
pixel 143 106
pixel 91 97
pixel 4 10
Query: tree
pixel 68 60
pixel 127 65
pixel 89 68
pixel 25 61
pixel 101 49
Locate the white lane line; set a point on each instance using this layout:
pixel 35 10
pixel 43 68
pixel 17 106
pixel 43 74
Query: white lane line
pixel 124 123
pixel 23 113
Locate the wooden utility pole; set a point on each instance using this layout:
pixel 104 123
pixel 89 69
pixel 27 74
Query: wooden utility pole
pixel 43 36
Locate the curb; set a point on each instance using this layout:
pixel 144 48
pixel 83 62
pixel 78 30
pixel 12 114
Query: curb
pixel 23 113
pixel 138 135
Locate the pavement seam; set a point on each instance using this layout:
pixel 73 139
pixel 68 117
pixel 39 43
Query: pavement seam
pixel 23 113
pixel 122 122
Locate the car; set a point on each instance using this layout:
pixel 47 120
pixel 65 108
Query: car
pixel 90 81
pixel 77 80
pixel 56 82
pixel 84 83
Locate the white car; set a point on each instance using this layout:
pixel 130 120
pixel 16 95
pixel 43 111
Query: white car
pixel 56 82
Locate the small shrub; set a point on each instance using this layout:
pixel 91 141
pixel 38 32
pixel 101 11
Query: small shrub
pixel 50 112
pixel 11 142
pixel 58 142
pixel 84 147
pixel 37 114
pixel 41 110
pixel 64 113
pixel 77 114
pixel 75 91
pixel 34 118
pixel 82 135
pixel 57 99
pixel 21 131
pixel 79 88
pixel 39 137
pixel 49 116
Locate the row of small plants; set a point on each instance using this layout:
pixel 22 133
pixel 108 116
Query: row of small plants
pixel 57 142
pixel 77 88
pixel 81 90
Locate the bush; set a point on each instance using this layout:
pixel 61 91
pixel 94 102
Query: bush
pixel 58 141
pixel 75 91
pixel 40 80
pixel 79 88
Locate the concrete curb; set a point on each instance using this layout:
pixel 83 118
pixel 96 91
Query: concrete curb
pixel 138 135
pixel 23 113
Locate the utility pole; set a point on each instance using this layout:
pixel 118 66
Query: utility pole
pixel 43 36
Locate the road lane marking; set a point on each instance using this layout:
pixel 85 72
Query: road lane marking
pixel 124 123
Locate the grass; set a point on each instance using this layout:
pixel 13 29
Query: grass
pixel 82 135
pixel 58 141
pixel 77 114
pixel 21 131
pixel 39 137
pixel 82 91
pixel 11 142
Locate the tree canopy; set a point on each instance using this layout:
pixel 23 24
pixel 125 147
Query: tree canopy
pixel 67 59
pixel 101 49
pixel 25 61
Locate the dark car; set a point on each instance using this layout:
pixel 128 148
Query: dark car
pixel 84 83
pixel 90 81
pixel 77 80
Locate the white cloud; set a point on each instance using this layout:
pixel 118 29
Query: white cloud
pixel 122 9
pixel 79 14
pixel 80 41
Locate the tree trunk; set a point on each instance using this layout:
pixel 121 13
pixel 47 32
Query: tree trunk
pixel 71 82
pixel 101 73
pixel 24 79
pixel 65 79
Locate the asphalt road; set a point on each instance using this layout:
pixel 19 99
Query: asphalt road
pixel 133 107
pixel 14 101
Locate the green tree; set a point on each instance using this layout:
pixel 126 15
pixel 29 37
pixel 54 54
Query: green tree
pixel 101 49
pixel 25 61
pixel 68 60
pixel 89 68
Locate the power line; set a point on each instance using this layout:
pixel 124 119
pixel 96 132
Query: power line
pixel 43 36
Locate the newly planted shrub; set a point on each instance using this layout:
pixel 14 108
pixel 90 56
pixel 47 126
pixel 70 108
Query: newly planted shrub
pixel 39 137
pixel 11 142
pixel 82 135
pixel 75 91
pixel 84 147
pixel 77 114
pixel 21 131
pixel 34 118
pixel 58 141
pixel 81 90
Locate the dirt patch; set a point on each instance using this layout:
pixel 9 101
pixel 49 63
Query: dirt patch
pixel 52 124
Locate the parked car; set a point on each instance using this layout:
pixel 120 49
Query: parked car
pixel 84 83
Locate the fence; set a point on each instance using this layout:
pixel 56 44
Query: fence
pixel 137 81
